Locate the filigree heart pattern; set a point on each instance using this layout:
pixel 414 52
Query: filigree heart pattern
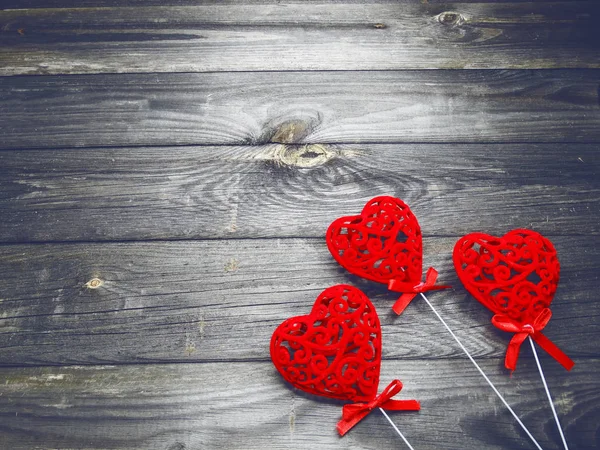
pixel 382 243
pixel 515 275
pixel 335 350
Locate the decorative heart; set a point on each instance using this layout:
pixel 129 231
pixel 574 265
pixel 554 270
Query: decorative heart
pixel 381 244
pixel 335 351
pixel 515 275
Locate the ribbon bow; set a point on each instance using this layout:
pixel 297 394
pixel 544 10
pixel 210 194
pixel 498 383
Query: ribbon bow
pixel 534 330
pixel 411 290
pixel 355 412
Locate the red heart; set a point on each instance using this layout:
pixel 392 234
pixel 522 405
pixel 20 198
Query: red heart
pixel 335 351
pixel 383 243
pixel 515 275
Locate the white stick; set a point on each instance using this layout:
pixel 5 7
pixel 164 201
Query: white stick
pixel 562 436
pixel 396 428
pixel 482 373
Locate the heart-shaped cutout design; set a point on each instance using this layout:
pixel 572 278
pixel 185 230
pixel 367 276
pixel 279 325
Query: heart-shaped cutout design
pixel 381 244
pixel 335 351
pixel 515 275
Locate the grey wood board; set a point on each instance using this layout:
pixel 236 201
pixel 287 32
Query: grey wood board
pixel 28 4
pixel 300 107
pixel 293 36
pixel 254 191
pixel 248 406
pixel 222 300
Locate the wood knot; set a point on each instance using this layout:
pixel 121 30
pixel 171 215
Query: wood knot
pixel 290 127
pixel 291 132
pixel 308 155
pixel 450 18
pixel 94 283
pixel 232 265
pixel 177 446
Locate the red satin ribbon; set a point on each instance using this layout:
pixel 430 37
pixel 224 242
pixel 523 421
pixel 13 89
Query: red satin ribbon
pixel 411 290
pixel 505 323
pixel 355 412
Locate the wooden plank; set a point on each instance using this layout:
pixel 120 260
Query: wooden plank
pixel 185 406
pixel 291 107
pixel 221 301
pixel 295 36
pixel 27 4
pixel 248 192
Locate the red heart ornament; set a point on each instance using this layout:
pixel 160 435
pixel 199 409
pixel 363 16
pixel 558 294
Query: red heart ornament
pixel 383 244
pixel 335 351
pixel 515 276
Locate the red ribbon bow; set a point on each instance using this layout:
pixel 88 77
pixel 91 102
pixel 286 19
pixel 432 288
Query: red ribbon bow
pixel 411 290
pixel 355 412
pixel 521 331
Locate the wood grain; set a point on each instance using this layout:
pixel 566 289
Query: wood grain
pixel 49 4
pixel 284 190
pixel 167 173
pixel 295 36
pixel 300 107
pixel 188 406
pixel 221 301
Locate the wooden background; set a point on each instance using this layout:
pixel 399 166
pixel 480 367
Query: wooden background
pixel 190 155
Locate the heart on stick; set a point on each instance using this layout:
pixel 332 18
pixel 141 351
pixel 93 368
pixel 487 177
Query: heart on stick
pixel 335 351
pixel 515 276
pixel 383 244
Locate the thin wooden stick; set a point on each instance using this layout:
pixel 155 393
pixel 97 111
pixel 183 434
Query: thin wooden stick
pixel 535 355
pixel 482 373
pixel 396 428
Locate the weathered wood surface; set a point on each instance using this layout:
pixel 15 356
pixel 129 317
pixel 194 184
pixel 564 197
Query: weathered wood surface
pixel 247 405
pixel 222 300
pixel 309 107
pixel 35 4
pixel 247 192
pixel 200 201
pixel 297 36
